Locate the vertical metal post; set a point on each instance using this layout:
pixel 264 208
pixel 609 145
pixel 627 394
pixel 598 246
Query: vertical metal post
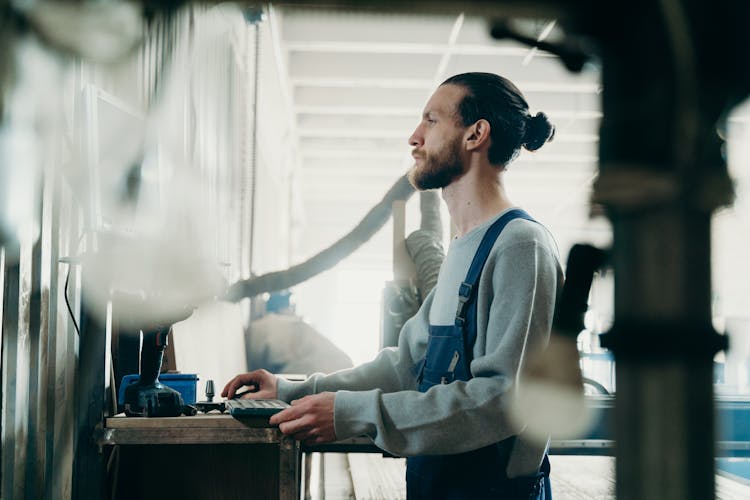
pixel 660 179
pixel 88 464
pixel 36 410
pixel 664 346
pixel 63 387
pixel 254 157
pixel 47 392
pixel 23 368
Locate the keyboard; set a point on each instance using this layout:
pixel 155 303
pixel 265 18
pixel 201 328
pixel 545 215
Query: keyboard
pixel 254 407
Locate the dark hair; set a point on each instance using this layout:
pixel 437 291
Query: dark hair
pixel 497 100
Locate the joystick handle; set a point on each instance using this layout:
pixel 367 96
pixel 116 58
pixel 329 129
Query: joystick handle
pixel 209 390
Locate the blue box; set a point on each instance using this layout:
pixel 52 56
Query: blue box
pixel 184 383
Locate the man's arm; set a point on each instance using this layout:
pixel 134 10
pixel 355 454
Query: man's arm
pixel 516 307
pixel 392 370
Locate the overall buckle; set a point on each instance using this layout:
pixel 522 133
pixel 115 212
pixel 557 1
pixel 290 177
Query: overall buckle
pixel 464 294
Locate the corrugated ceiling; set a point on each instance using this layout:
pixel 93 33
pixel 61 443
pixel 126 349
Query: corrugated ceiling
pixel 358 83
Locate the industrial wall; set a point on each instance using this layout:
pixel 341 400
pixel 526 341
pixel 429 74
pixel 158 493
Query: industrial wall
pixel 172 153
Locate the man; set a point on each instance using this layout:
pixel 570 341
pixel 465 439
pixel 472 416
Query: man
pixel 441 398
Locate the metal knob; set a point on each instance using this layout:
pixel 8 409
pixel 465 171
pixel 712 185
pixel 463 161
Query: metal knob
pixel 209 390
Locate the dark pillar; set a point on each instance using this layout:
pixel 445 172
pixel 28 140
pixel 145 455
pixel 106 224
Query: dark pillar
pixel 661 177
pixel 664 346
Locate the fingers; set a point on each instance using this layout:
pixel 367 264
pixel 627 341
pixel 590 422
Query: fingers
pixel 304 429
pixel 302 425
pixel 231 387
pixel 294 412
pixel 253 391
pixel 309 419
pixel 259 380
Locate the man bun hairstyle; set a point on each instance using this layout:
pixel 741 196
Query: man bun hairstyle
pixel 538 131
pixel 497 100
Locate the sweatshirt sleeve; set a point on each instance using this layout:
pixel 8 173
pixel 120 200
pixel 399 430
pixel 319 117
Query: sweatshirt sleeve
pixel 515 307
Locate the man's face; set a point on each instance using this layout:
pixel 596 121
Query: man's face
pixel 438 140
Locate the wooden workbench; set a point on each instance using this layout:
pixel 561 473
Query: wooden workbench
pixel 208 456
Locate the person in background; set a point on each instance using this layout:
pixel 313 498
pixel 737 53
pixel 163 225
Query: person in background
pixel 282 342
pixel 442 397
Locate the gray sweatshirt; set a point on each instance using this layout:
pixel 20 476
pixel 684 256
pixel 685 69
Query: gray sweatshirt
pixel 515 305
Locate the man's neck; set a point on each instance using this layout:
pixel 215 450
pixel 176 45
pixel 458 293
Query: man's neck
pixel 475 197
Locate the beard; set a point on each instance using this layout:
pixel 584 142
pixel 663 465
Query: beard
pixel 439 169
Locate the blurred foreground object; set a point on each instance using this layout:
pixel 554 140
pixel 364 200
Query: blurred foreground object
pixel 155 279
pixel 30 114
pixel 97 31
pixel 552 377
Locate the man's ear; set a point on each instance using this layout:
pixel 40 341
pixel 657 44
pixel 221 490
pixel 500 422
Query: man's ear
pixel 478 135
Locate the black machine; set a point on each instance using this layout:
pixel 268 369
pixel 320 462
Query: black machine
pixel 148 397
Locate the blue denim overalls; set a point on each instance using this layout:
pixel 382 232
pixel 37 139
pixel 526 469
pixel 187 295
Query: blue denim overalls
pixel 477 474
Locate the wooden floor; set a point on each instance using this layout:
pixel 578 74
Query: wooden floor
pixel 582 477
pixel 375 476
pixel 369 476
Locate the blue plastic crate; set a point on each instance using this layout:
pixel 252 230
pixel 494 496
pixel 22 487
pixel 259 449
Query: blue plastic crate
pixel 184 383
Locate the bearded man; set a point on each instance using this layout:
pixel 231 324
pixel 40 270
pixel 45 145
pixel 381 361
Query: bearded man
pixel 441 397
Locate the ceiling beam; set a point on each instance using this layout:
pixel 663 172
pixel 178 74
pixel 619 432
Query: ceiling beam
pixel 348 46
pixel 546 9
pixel 359 110
pixel 357 82
pixel 427 85
pixel 339 133
pixel 415 112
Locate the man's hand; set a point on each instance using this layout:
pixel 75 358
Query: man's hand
pixel 261 382
pixel 309 419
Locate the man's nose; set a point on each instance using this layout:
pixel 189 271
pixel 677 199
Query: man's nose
pixel 416 139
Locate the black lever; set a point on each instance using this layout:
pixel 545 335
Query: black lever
pixel 209 390
pixel 209 404
pixel 583 262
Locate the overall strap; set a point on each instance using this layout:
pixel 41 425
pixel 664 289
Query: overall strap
pixel 467 292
